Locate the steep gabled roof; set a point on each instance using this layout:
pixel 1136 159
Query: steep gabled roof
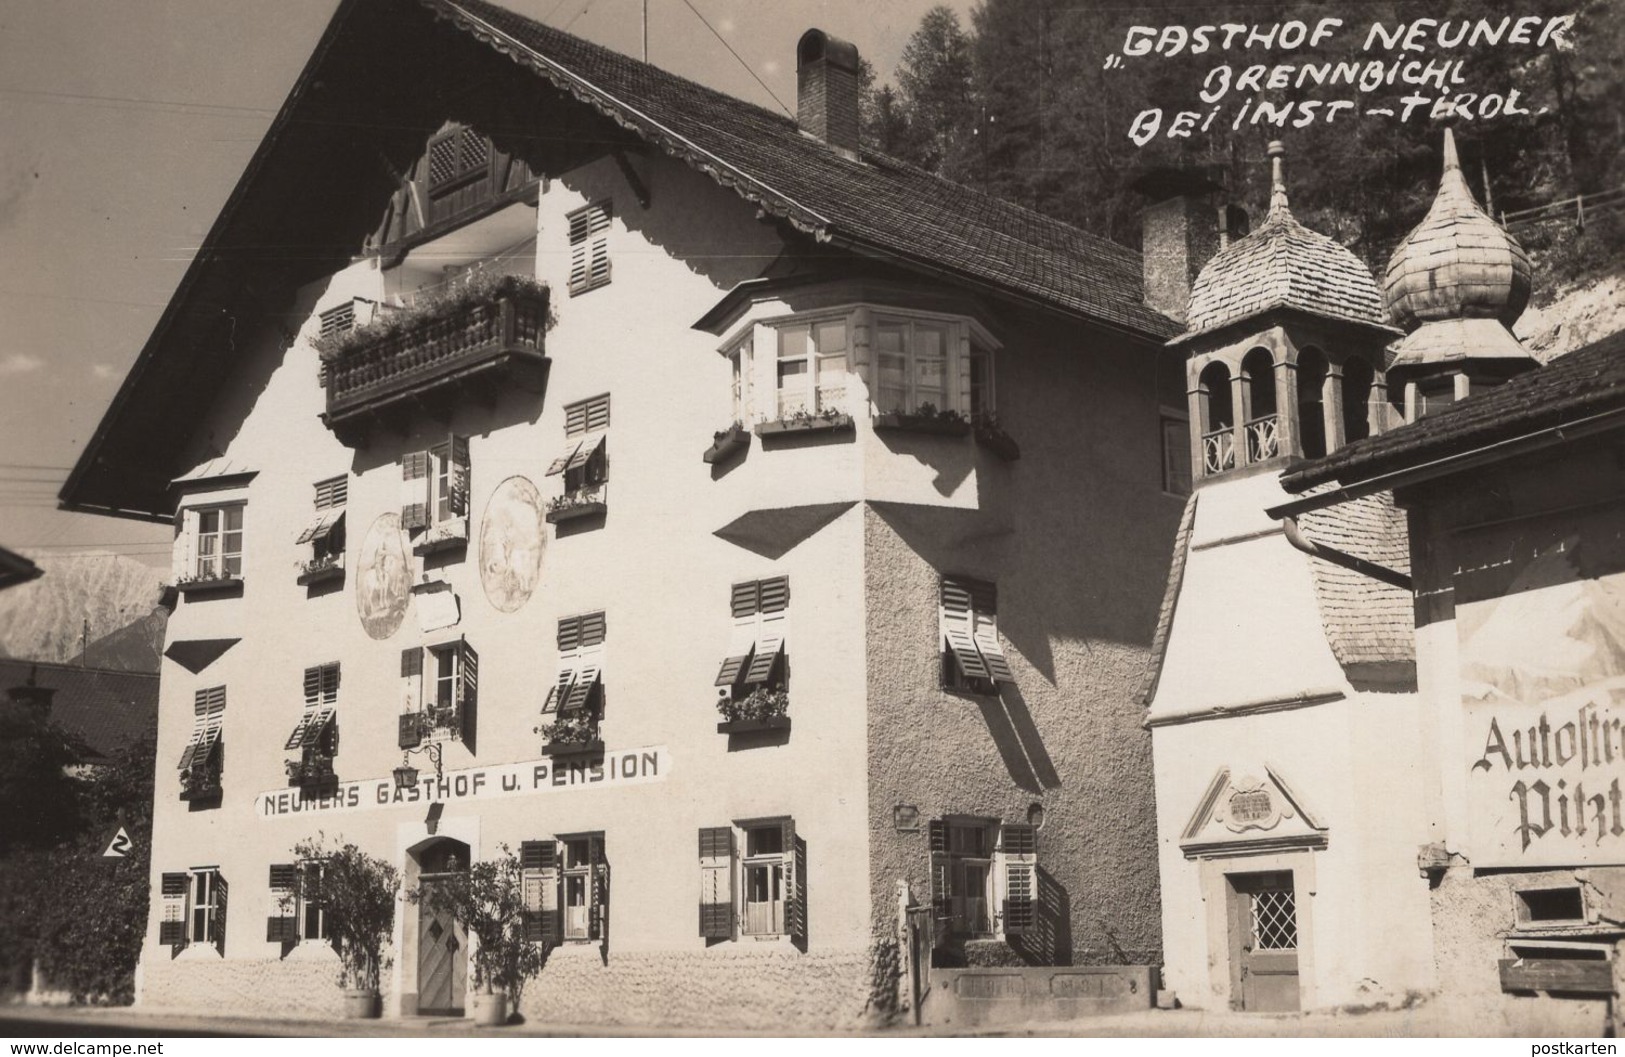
pixel 298 211
pixel 102 711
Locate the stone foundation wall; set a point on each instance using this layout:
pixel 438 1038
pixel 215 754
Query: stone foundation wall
pixel 705 990
pixel 289 988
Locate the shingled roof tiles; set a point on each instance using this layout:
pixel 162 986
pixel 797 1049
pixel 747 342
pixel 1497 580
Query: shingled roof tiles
pixel 1366 621
pixel 1170 602
pixel 1282 265
pixel 877 202
pixel 103 711
pixel 1588 381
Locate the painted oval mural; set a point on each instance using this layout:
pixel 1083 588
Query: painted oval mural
pixel 383 578
pixel 511 544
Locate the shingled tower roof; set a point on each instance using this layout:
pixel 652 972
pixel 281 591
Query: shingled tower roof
pixel 1458 281
pixel 1282 265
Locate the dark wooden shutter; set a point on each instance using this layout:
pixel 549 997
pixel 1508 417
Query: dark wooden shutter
pixel 552 912
pixel 410 733
pixel 716 882
pixel 592 629
pixel 746 598
pixel 172 933
pixel 283 927
pixel 569 634
pixel 415 490
pixel 458 475
pixel 775 594
pixel 220 914
pixel 411 662
pixel 172 889
pixel 468 672
pixel 533 855
pixel 313 686
pixel 795 909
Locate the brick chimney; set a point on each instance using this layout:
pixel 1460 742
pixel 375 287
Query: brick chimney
pixel 827 90
pixel 1183 227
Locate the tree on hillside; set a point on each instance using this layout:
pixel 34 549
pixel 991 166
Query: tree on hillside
pixel 935 84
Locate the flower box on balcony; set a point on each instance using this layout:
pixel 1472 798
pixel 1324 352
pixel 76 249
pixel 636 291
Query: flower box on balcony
pixel 445 536
pixel 320 571
pixel 567 749
pixel 573 505
pixel 948 424
pixel 753 726
pixel 201 786
pixel 998 442
pixel 804 422
pixel 490 329
pixel 313 772
pixel 211 585
pixel 728 443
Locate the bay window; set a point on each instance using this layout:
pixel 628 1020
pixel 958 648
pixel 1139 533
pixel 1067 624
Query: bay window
pixel 812 365
pixel 912 361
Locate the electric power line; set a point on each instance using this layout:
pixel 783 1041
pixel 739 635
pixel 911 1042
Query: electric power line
pixel 735 54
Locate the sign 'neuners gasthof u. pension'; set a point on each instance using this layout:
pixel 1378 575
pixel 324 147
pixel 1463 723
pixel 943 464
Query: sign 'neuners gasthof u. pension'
pixel 616 767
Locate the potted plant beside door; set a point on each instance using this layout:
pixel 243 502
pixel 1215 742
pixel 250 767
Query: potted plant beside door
pixel 489 901
pixel 359 893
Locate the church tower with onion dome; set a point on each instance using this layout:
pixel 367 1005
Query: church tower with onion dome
pixel 1455 286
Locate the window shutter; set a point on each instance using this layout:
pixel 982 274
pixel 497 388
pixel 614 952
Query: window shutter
pixel 538 864
pixel 597 890
pixel 775 594
pixel 795 900
pixel 458 475
pixel 592 629
pixel 589 665
pixel 987 640
pixel 220 914
pixel 468 673
pixel 333 492
pixel 586 416
pixel 746 599
pixel 589 247
pixel 740 645
pixel 769 644
pixel 411 662
pixel 172 889
pixel 600 246
pixel 716 882
pixel 552 922
pixel 284 877
pixel 302 732
pixel 936 831
pixel 1018 853
pixel 959 627
pixel 569 634
pixel 584 452
pixel 186 528
pixel 313 686
pixel 415 490
pixel 209 707
pixel 283 928
pixel 410 733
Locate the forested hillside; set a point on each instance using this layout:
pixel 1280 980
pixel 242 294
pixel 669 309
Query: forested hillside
pixel 1021 102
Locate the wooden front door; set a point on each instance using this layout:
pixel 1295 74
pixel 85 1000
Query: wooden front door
pixel 1264 942
pixel 442 960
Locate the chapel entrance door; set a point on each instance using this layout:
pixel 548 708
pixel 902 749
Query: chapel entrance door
pixel 1264 942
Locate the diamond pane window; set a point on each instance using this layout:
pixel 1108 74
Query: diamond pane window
pixel 1275 920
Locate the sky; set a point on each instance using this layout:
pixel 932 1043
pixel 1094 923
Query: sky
pixel 124 126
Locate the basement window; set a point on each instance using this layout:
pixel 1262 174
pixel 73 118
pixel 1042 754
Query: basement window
pixel 1550 906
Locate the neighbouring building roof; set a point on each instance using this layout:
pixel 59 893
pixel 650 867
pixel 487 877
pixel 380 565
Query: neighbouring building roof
pixel 1585 383
pixel 1170 601
pixel 136 647
pixel 15 569
pixel 103 711
pixel 1367 622
pixel 295 214
pixel 1282 264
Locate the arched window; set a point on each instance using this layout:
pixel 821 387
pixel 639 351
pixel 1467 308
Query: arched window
pixel 1218 419
pixel 1358 379
pixel 1258 368
pixel 1312 371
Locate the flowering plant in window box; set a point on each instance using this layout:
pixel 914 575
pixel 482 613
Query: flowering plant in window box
pixel 313 769
pixel 581 502
pixel 765 708
pixel 201 781
pixel 996 440
pixel 321 569
pixel 205 582
pixel 925 419
pixel 804 421
pixel 574 735
pixel 727 442
pixel 479 288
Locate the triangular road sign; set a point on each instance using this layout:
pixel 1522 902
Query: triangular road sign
pixel 120 846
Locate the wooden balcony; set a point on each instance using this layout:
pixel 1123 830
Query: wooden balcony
pixel 487 346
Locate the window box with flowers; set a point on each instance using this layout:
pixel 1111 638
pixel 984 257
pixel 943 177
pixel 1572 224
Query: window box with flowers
pixel 571 735
pixel 313 770
pixel 584 502
pixel 765 708
pixel 829 420
pixel 325 569
pixel 442 536
pixel 996 440
pixel 726 443
pixel 925 419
